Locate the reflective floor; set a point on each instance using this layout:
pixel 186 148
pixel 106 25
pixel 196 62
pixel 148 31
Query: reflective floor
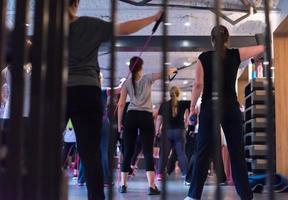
pixel 176 190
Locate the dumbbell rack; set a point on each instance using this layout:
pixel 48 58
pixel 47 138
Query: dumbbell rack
pixel 255 126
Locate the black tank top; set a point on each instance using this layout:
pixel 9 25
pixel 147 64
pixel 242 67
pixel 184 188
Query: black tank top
pixel 231 64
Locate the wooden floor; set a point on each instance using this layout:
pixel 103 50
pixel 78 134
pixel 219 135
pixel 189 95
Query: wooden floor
pixel 176 190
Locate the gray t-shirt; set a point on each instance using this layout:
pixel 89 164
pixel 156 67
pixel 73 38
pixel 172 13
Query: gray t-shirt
pixel 142 101
pixel 85 37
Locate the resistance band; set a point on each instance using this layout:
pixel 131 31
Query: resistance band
pixel 171 78
pixel 143 49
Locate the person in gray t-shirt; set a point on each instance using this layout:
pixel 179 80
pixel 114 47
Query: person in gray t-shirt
pixel 139 117
pixel 84 106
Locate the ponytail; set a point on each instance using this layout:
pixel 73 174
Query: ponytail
pixel 174 94
pixel 135 66
pixel 220 36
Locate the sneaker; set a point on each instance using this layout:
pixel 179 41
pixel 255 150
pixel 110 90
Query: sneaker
pixel 123 189
pixel 81 184
pixel 186 183
pixel 223 183
pixel 257 188
pixel 158 177
pixel 153 191
pixel 189 198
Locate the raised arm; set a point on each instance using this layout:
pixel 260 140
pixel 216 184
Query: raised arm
pixel 197 87
pixel 159 75
pixel 121 106
pixel 249 52
pixel 133 26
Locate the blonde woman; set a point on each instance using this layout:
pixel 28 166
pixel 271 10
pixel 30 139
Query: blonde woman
pixel 174 128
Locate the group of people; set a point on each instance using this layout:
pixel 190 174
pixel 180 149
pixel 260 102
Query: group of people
pixel 85 109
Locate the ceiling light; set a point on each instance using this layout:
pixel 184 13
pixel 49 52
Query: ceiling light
pixel 187 24
pixel 185 43
pixel 186 63
pixel 266 63
pixel 168 24
pixel 185 82
pixel 128 63
pixel 272 67
pixel 168 63
pixel 184 98
pixel 154 106
pixel 184 93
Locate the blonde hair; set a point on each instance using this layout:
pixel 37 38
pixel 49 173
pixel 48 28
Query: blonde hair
pixel 174 94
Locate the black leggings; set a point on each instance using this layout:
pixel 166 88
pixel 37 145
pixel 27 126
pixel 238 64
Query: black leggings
pixel 144 122
pixel 84 107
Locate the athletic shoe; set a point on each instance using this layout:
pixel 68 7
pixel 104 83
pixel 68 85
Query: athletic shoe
pixel 186 183
pixel 189 198
pixel 158 177
pixel 223 183
pixel 81 184
pixel 153 191
pixel 257 188
pixel 123 189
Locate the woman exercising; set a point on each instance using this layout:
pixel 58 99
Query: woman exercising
pixel 84 105
pixel 139 116
pixel 231 120
pixel 174 128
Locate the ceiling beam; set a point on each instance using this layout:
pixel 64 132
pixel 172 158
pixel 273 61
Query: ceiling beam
pixel 175 44
pixel 187 6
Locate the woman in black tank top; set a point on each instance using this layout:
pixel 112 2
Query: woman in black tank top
pixel 231 116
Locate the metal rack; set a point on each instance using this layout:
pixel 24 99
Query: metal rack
pixel 255 126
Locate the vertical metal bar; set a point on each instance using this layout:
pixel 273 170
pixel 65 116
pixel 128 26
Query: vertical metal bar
pixel 32 188
pixel 217 95
pixel 2 55
pixel 15 139
pixel 112 82
pixel 3 7
pixel 3 4
pixel 54 100
pixel 270 129
pixel 164 89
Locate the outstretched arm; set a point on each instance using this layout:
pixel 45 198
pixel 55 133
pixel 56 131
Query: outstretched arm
pixel 248 52
pixel 159 75
pixel 133 26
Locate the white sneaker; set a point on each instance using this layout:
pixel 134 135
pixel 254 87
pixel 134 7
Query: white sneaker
pixel 187 183
pixel 189 198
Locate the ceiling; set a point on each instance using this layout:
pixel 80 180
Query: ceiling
pixel 184 22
